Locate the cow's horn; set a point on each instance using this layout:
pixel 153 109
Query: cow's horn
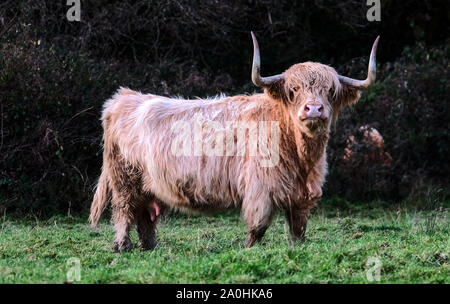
pixel 371 75
pixel 256 69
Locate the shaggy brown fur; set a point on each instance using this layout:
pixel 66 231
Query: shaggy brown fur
pixel 140 174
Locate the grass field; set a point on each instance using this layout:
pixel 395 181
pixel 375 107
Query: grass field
pixel 344 245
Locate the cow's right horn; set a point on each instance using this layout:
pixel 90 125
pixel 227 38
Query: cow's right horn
pixel 371 74
pixel 256 69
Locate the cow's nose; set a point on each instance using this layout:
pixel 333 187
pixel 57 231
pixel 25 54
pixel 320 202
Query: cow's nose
pixel 312 110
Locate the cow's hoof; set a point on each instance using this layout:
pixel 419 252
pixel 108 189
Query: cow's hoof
pixel 300 239
pixel 148 246
pixel 124 245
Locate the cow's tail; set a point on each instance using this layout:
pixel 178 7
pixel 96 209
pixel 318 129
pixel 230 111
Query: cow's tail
pixel 101 198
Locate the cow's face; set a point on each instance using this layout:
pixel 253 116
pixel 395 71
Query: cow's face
pixel 309 92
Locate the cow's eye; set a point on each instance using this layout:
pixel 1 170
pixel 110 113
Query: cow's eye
pixel 292 92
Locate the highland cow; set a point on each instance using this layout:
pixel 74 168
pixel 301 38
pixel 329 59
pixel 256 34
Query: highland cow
pixel 147 169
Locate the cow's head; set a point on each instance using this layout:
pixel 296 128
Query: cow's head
pixel 313 92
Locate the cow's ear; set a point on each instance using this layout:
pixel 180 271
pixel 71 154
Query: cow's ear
pixel 277 91
pixel 345 96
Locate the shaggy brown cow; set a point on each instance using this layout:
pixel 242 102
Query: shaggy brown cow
pixel 148 167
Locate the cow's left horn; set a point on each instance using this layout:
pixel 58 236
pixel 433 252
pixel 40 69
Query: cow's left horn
pixel 371 75
pixel 256 69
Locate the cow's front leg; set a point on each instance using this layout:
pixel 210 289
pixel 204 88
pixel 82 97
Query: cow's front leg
pixel 297 218
pixel 258 215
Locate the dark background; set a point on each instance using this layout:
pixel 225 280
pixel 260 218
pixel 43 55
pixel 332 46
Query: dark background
pixel 55 76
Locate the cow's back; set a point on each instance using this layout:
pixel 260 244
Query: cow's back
pixel 141 126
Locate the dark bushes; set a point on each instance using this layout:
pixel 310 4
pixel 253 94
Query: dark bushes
pixel 410 107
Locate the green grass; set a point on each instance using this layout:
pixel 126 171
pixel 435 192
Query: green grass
pixel 413 247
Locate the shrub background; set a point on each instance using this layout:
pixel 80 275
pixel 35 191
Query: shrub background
pixel 55 76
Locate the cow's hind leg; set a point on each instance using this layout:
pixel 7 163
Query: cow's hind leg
pixel 126 197
pixel 258 215
pixel 123 220
pixel 147 220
